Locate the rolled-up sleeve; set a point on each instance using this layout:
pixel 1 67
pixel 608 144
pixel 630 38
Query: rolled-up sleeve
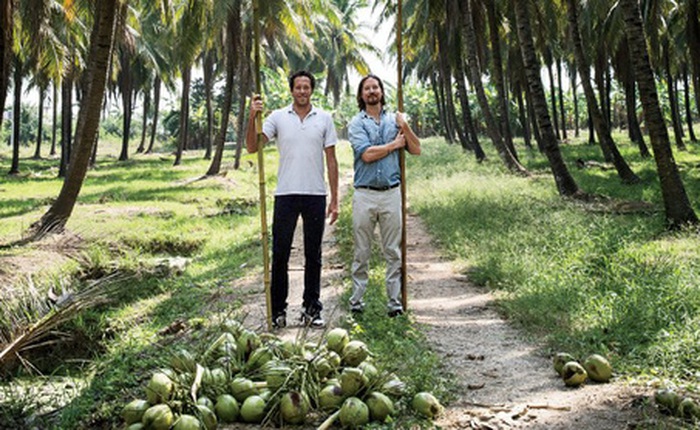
pixel 359 139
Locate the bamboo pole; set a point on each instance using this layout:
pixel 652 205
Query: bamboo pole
pixel 261 170
pixel 402 155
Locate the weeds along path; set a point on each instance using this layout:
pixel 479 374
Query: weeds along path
pixel 504 382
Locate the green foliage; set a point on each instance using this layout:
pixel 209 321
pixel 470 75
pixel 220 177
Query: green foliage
pixel 586 277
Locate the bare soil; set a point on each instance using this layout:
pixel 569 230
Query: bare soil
pixel 505 381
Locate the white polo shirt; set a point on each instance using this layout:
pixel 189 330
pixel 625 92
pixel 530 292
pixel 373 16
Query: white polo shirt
pixel 301 147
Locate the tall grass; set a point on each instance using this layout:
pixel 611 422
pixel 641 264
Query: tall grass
pixel 582 277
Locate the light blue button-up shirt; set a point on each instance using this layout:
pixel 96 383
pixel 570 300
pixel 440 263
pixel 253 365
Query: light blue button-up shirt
pixel 364 132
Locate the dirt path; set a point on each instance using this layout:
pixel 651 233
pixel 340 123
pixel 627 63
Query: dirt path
pixel 504 381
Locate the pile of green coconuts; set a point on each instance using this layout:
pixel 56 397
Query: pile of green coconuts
pixel 574 373
pixel 597 368
pixel 260 379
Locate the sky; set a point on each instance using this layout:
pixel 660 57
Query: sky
pixel 381 38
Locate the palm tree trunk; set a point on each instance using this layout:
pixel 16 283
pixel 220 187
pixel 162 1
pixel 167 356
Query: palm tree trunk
pixel 5 51
pixel 101 45
pixel 144 121
pixel 156 106
pixel 208 84
pixel 574 97
pixel 245 74
pixel 677 133
pixel 562 108
pixel 184 113
pixel 693 32
pixel 474 70
pixel 553 97
pixel 40 123
pixel 233 42
pixel 522 112
pixel 54 118
pixel 16 117
pixel 564 181
pixel 688 110
pixel 679 212
pixel 502 99
pixel 601 126
pixel 127 102
pixel 66 121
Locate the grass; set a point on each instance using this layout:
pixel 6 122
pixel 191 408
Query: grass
pixel 580 277
pixel 129 214
pixel 574 275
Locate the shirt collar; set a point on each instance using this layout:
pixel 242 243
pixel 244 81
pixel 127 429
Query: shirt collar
pixel 313 111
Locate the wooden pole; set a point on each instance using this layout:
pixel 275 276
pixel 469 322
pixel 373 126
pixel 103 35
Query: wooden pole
pixel 261 170
pixel 402 155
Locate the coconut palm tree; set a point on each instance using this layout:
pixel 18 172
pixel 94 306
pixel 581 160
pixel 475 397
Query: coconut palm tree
pixel 566 185
pixel 99 57
pixel 190 19
pixel 234 46
pixel 6 29
pixel 677 206
pixel 464 10
pixel 601 125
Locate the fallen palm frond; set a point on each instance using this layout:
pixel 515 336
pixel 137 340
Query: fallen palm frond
pixel 67 307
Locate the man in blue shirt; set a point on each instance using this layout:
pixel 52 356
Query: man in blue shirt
pixel 376 136
pixel 304 135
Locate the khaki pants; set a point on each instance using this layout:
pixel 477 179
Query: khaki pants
pixel 370 208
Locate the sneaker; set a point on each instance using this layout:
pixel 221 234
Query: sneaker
pixel 312 320
pixel 395 313
pixel 357 308
pixel 279 321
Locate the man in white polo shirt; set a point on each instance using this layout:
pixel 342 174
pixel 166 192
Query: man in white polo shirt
pixel 304 134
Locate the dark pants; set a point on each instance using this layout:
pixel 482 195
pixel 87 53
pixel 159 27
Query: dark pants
pixel 313 213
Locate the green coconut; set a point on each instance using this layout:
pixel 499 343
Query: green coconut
pixel 369 370
pixel 183 361
pixel 253 409
pixel 294 406
pixel 159 388
pixel 242 388
pixel 206 401
pixel 276 374
pixel 380 406
pixel 134 410
pixel 322 366
pixel 354 353
pixel 598 368
pixel 427 405
pixel 187 422
pixel 158 417
pixel 247 342
pixel 688 408
pixel 560 359
pixel 354 413
pixel 352 380
pixel 394 387
pixel 336 339
pixel 208 417
pixel 667 399
pixel 259 357
pixel 226 408
pixel 573 374
pixel 330 397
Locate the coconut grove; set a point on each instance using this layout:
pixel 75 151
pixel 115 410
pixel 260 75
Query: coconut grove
pixel 559 172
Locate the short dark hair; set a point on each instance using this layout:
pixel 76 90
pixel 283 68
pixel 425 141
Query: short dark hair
pixel 361 103
pixel 301 73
